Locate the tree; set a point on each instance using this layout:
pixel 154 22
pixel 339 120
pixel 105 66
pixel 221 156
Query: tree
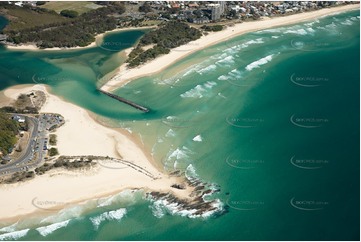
pixel 69 13
pixel 39 3
pixel 53 151
pixel 146 8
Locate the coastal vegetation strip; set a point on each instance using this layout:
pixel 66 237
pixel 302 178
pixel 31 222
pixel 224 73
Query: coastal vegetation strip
pixel 73 163
pixel 169 35
pixel 68 163
pixel 55 30
pixel 9 129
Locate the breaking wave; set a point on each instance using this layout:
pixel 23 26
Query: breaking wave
pixel 14 235
pixel 226 61
pixel 201 207
pixel 198 138
pixel 260 62
pixel 107 216
pixel 46 230
pixel 207 69
pixel 199 91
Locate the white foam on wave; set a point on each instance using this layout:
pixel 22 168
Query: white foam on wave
pixel 290 30
pixel 207 69
pixel 239 47
pixel 331 26
pixel 232 75
pixel 180 153
pixel 252 42
pixel 223 78
pixel 124 197
pixel 347 22
pixel 10 228
pixel 197 67
pixel 162 207
pixel 296 31
pixel 69 213
pixel 170 133
pixel 191 173
pixel 222 56
pixel 199 91
pixel 258 63
pixel 235 73
pixel 198 138
pixel 310 30
pixel 274 36
pixel 112 215
pixel 226 61
pixel 46 230
pixel 129 130
pixel 14 235
pixel 312 23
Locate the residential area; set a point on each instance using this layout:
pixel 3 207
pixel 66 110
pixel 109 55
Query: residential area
pixel 197 12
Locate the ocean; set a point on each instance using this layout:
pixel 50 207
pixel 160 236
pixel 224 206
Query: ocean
pixel 271 118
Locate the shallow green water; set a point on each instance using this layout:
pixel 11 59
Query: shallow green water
pixel 272 117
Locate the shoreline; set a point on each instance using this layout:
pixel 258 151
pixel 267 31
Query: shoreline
pixel 75 187
pixel 124 75
pixel 98 37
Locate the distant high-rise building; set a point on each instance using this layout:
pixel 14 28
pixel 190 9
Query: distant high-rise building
pixel 223 6
pixel 216 12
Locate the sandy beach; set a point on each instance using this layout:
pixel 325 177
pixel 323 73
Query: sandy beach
pixel 81 135
pixel 124 74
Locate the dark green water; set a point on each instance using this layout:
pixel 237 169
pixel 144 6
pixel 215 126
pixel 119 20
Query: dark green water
pixel 271 117
pixel 3 22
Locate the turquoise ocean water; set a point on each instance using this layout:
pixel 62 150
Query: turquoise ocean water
pixel 271 117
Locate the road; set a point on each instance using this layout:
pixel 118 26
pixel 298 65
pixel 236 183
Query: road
pixel 37 139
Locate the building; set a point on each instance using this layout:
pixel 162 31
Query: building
pixel 19 119
pixel 202 20
pixel 222 5
pixel 216 12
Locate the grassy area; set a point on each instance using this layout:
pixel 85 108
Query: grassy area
pixel 150 22
pixel 23 18
pixel 80 7
pixel 52 139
